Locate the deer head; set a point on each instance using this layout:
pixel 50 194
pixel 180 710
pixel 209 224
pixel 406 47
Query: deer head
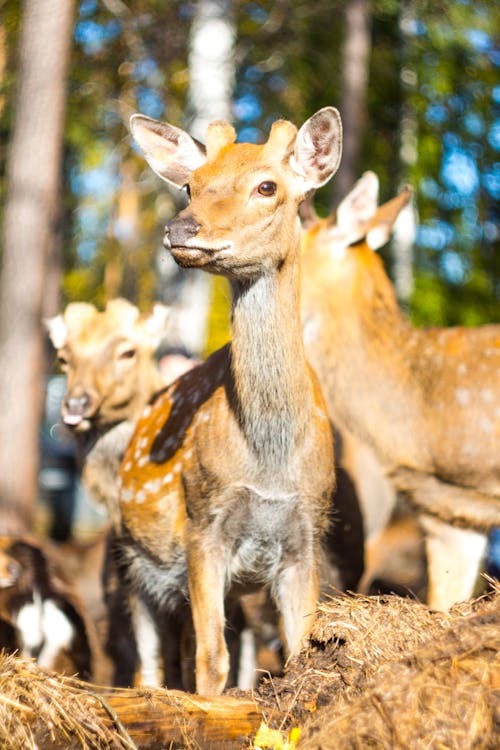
pixel 234 223
pixel 108 360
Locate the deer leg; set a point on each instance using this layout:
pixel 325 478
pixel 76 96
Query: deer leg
pixel 454 558
pixel 206 589
pixel 296 595
pixel 148 642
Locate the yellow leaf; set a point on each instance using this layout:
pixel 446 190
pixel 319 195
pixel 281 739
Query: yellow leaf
pixel 272 739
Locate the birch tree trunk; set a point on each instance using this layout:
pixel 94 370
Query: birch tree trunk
pixel 355 69
pixel 29 232
pixel 211 81
pixel 405 228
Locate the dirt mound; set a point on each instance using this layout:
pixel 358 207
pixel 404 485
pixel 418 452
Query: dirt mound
pixel 386 672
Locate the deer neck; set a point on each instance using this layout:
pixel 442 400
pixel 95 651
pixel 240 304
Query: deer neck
pixel 272 389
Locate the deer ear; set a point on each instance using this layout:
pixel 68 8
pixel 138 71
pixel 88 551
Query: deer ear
pixel 169 151
pixel 318 147
pixel 57 330
pixel 379 229
pixel 360 204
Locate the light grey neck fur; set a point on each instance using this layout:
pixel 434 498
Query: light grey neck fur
pixel 269 366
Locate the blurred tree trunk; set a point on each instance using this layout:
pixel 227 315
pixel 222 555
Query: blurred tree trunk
pixel 405 228
pixel 211 81
pixel 354 84
pixel 29 233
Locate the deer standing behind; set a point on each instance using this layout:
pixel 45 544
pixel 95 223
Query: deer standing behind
pixel 229 476
pixel 109 360
pixel 41 614
pixel 423 403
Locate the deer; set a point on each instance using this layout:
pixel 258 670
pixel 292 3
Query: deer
pixel 422 404
pixel 109 360
pixel 226 485
pixel 41 614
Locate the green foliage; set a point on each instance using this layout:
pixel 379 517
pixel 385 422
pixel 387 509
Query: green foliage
pixel 433 70
pixel 455 63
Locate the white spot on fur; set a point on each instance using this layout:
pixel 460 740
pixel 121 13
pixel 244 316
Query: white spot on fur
pixel 168 478
pixel 127 466
pixel 126 495
pixel 462 368
pixel 140 497
pixel 487 395
pixel 142 461
pixel 178 468
pixel 462 395
pixel 486 424
pixel 153 486
pixel 147 411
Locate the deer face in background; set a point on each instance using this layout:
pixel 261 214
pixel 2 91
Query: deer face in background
pixel 106 357
pixel 233 225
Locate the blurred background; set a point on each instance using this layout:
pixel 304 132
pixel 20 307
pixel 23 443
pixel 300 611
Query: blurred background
pixel 418 89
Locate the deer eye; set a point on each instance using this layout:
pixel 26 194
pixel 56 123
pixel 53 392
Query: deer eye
pixel 187 190
pixel 62 360
pixel 267 188
pixel 127 354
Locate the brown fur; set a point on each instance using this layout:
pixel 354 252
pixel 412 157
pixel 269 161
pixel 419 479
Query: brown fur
pixel 234 462
pixel 424 401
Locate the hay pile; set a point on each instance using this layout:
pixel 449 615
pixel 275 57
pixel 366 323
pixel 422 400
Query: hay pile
pixel 43 710
pixel 386 673
pixel 379 672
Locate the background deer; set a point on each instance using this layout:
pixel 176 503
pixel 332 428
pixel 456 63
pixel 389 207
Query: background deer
pixel 109 360
pixel 41 614
pixel 424 403
pixel 230 472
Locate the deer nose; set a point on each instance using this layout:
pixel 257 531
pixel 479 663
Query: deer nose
pixel 75 408
pixel 179 231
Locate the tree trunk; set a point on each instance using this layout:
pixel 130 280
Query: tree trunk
pixel 355 69
pixel 405 227
pixel 29 231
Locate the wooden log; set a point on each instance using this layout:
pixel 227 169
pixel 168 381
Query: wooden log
pixel 155 719
pixel 41 710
